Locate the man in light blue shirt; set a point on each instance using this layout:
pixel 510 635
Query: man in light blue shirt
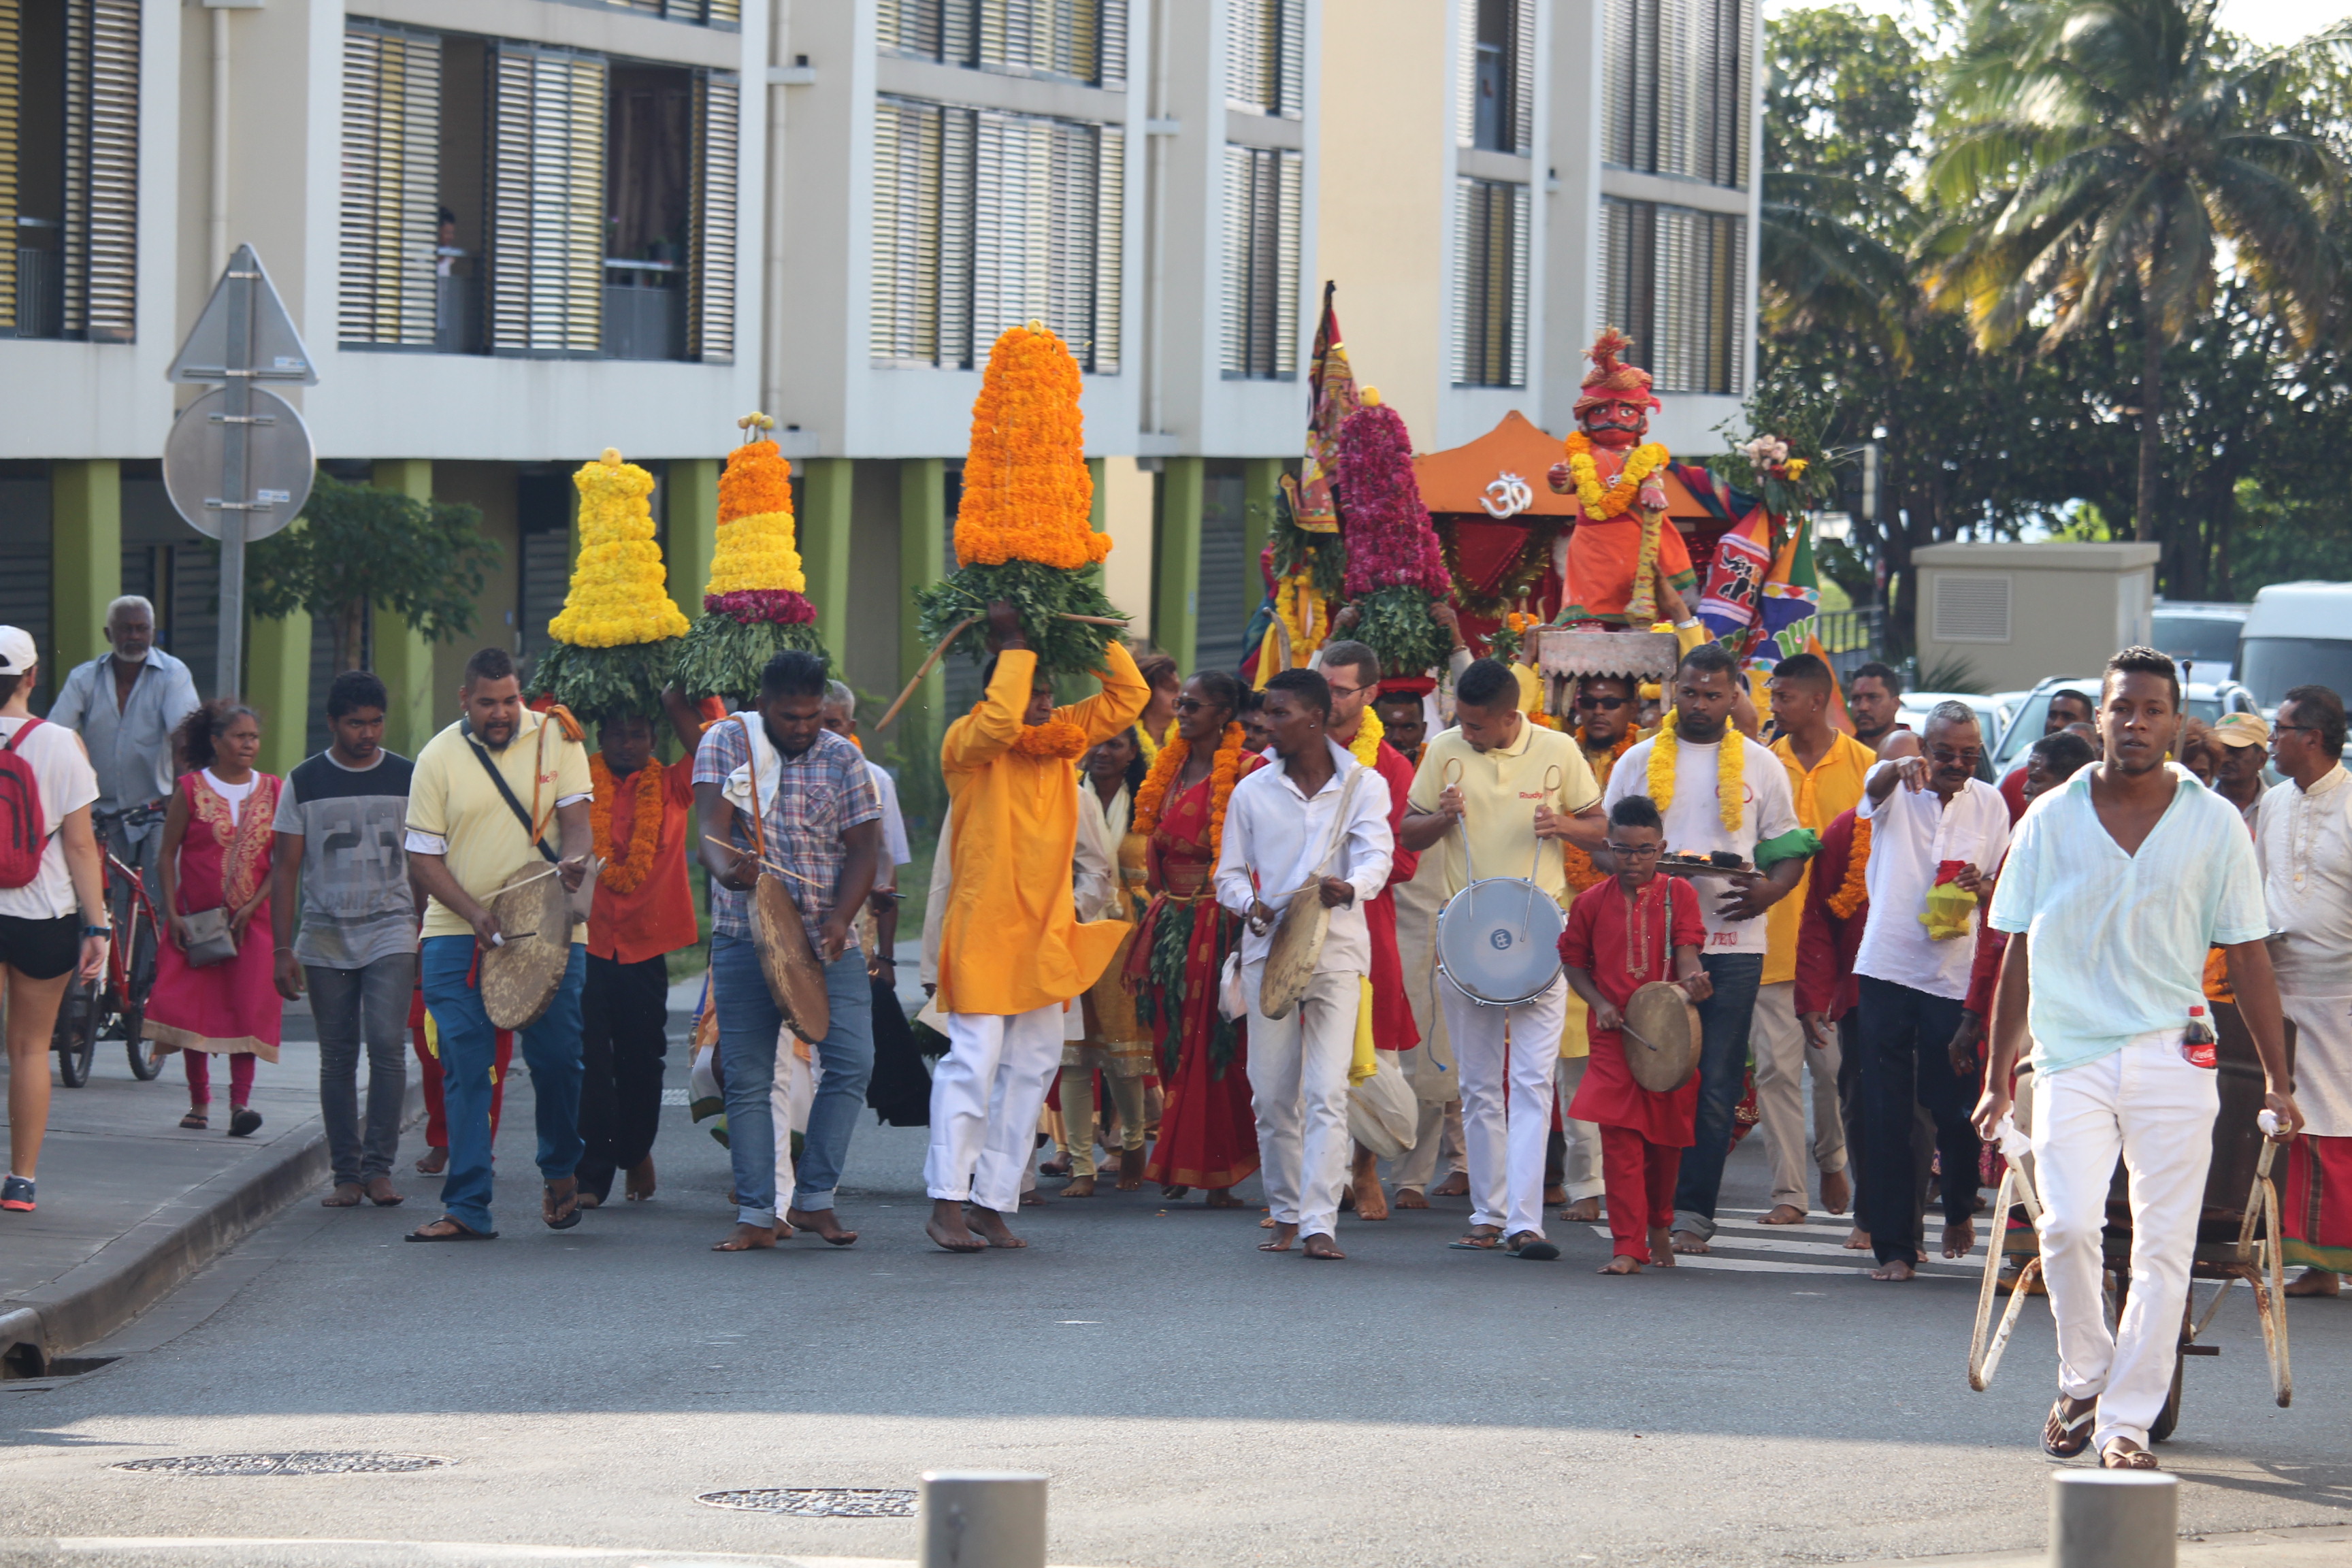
pixel 126 704
pixel 2121 881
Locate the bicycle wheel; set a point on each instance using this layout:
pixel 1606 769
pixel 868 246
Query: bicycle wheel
pixel 144 1063
pixel 76 1035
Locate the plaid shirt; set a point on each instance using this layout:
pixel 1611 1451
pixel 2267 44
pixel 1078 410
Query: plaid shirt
pixel 822 794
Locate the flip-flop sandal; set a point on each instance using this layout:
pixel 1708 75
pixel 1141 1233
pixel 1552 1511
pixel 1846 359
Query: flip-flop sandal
pixel 1477 1244
pixel 2076 1432
pixel 2113 1459
pixel 562 1219
pixel 196 1122
pixel 460 1233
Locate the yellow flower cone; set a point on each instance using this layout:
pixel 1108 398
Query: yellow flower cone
pixel 619 591
pixel 1027 495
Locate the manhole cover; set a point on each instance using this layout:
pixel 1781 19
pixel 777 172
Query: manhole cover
pixel 300 1462
pixel 819 1502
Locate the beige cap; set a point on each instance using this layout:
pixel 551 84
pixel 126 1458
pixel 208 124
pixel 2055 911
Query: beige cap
pixel 2242 730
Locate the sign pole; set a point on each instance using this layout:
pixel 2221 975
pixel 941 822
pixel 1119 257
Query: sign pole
pixel 235 418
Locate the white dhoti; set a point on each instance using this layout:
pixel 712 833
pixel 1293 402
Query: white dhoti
pixel 2147 1101
pixel 1298 1093
pixel 789 1096
pixel 986 1094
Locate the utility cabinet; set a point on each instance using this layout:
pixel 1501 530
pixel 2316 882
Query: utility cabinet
pixel 2020 612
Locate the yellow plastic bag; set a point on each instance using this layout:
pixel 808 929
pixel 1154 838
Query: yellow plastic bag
pixel 1948 907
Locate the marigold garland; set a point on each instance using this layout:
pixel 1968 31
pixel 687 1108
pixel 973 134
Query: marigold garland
pixel 1730 772
pixel 1053 737
pixel 1028 493
pixel 1305 615
pixel 1582 872
pixel 626 870
pixel 1603 503
pixel 1365 747
pixel 1856 888
pixel 1223 773
pixel 757 550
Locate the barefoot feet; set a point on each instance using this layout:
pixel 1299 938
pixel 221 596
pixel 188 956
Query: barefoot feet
pixel 747 1239
pixel 825 1222
pixel 1284 1237
pixel 1623 1263
pixel 990 1227
pixel 1583 1210
pixel 1837 1191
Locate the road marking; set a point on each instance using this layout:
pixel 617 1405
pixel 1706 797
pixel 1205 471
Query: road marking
pixel 1829 1258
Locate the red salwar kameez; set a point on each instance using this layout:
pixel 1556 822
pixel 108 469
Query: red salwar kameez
pixel 1624 944
pixel 1208 1133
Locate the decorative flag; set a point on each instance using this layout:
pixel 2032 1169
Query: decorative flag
pixel 1792 597
pixel 1735 580
pixel 1332 397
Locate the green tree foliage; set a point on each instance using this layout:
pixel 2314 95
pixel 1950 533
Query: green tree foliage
pixel 354 545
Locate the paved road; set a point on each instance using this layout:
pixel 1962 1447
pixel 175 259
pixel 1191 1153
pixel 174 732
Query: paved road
pixel 1195 1403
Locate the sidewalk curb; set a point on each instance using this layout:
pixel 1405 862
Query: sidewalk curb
pixel 154 1257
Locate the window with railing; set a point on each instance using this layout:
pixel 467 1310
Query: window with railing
pixel 1490 283
pixel 983 220
pixel 1676 281
pixel 1495 87
pixel 512 198
pixel 1082 40
pixel 1266 56
pixel 1262 204
pixel 1675 80
pixel 68 168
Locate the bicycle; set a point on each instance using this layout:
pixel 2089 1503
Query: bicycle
pixel 114 1006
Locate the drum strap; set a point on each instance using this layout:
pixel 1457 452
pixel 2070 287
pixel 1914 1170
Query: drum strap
pixel 506 793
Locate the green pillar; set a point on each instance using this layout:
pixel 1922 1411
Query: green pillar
pixel 922 561
pixel 1261 478
pixel 278 682
pixel 692 505
pixel 824 547
pixel 1178 557
pixel 403 655
pixel 84 561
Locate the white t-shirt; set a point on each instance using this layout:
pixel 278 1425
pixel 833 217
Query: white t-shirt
pixel 68 783
pixel 1912 834
pixel 232 793
pixel 1694 820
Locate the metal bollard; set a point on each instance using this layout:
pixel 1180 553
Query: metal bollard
pixel 2114 1518
pixel 982 1519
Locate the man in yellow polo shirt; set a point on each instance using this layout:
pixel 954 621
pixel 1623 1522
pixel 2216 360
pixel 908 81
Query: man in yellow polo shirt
pixel 1521 789
pixel 1826 772
pixel 487 796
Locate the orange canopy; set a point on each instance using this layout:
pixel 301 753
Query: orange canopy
pixel 1455 480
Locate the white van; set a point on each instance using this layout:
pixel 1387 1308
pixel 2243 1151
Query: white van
pixel 2298 634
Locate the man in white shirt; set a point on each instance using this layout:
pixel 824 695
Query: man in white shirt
pixel 2303 840
pixel 1319 820
pixel 126 703
pixel 1710 760
pixel 1932 821
pixel 2121 881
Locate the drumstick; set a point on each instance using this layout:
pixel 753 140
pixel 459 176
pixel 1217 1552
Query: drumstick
pixel 764 865
pixel 534 877
pixel 929 665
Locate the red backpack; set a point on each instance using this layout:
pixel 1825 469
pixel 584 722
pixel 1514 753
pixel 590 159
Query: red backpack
pixel 23 832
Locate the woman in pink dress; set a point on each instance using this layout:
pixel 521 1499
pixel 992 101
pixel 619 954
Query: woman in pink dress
pixel 217 843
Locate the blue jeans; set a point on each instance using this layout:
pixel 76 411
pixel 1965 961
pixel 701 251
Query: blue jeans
pixel 352 1005
pixel 1723 1020
pixel 551 1048
pixel 749 1021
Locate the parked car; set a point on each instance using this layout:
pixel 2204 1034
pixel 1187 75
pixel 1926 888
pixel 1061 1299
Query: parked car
pixel 2297 633
pixel 2202 635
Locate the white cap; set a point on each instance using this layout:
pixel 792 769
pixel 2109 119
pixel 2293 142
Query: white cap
pixel 17 654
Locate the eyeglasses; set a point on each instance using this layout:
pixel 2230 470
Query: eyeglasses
pixel 1340 692
pixel 1635 851
pixel 1608 704
pixel 1194 705
pixel 1945 755
pixel 2303 729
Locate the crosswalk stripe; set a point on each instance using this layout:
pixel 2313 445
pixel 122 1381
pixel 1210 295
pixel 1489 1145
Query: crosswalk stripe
pixel 1827 1257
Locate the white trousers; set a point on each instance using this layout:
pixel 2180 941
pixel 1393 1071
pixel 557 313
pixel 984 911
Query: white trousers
pixel 789 1099
pixel 1506 1153
pixel 1580 1170
pixel 2148 1102
pixel 1438 1132
pixel 1777 1040
pixel 985 1095
pixel 1298 1091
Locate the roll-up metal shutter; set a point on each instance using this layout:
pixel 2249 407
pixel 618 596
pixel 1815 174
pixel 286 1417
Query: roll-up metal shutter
pixel 101 205
pixel 390 199
pixel 546 199
pixel 710 260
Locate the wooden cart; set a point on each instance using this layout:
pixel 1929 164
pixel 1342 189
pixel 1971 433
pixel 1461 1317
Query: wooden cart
pixel 2237 1235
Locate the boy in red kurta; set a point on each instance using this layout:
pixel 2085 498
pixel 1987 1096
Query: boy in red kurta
pixel 1622 934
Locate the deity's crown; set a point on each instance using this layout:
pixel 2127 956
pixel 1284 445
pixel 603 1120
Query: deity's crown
pixel 1611 378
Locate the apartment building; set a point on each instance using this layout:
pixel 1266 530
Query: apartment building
pixel 516 231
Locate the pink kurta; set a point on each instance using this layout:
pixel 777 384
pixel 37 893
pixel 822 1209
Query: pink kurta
pixel 225 1008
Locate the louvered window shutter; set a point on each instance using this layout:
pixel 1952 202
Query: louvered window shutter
pixel 1466 73
pixel 959 234
pixel 12 57
pixel 1237 259
pixel 1469 301
pixel 101 205
pixel 1246 53
pixel 1289 169
pixel 1515 359
pixel 1110 250
pixel 547 201
pixel 1523 77
pixel 903 300
pixel 1111 70
pixel 1290 59
pixel 392 181
pixel 1616 76
pixel 710 260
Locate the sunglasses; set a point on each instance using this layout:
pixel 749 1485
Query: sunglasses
pixel 1635 852
pixel 1949 758
pixel 1607 704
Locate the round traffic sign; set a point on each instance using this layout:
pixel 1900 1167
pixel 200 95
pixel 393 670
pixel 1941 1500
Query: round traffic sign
pixel 279 465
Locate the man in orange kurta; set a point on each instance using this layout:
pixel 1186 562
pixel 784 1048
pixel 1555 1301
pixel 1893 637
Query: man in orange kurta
pixel 1011 952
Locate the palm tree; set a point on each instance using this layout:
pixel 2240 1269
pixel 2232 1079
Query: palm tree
pixel 1822 272
pixel 2110 148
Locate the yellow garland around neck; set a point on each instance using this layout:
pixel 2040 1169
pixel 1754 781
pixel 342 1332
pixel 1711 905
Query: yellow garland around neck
pixel 1304 615
pixel 1730 771
pixel 1365 747
pixel 1603 503
pixel 1151 745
